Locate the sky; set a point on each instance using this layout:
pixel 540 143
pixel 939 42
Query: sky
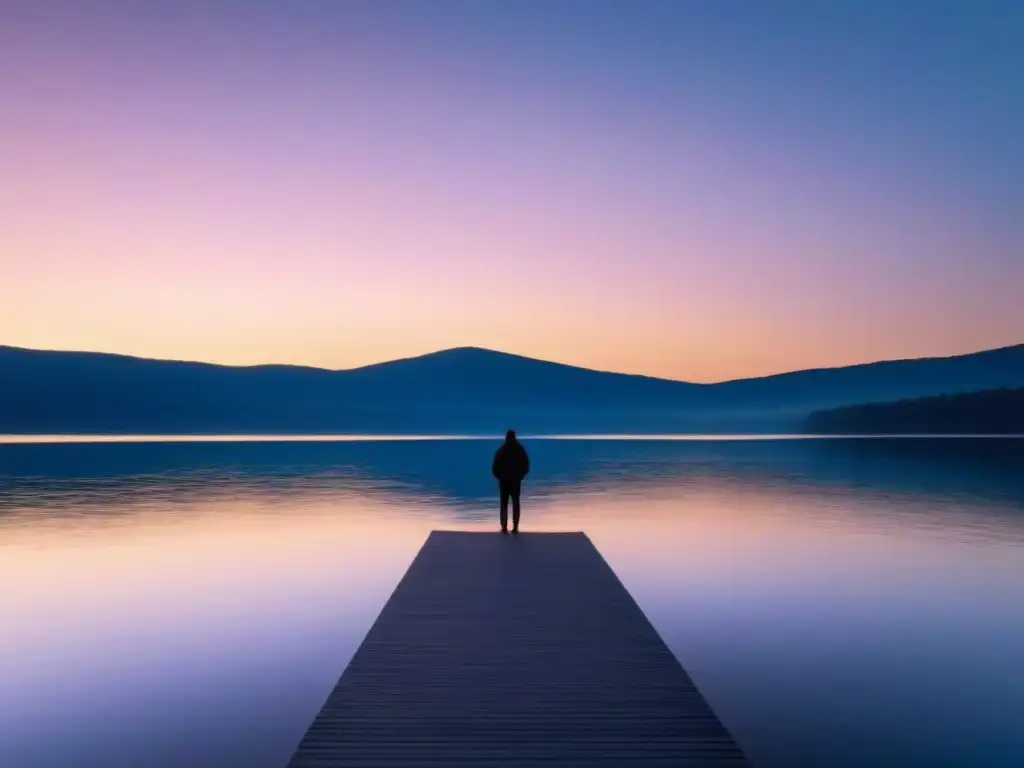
pixel 697 190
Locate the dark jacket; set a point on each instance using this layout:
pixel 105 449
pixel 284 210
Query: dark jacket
pixel 511 464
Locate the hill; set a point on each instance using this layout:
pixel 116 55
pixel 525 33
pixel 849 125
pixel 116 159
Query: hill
pixel 992 412
pixel 457 390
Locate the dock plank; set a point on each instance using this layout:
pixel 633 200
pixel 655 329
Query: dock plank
pixel 514 650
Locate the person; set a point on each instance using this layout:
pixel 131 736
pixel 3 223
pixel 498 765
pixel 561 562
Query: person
pixel 511 464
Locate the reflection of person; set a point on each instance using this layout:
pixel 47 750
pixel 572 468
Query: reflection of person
pixel 510 466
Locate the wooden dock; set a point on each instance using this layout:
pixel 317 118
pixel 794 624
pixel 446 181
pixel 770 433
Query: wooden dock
pixel 500 650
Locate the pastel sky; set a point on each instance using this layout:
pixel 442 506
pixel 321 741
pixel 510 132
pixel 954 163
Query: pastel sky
pixel 700 190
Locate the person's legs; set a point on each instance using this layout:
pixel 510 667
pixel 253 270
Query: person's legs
pixel 515 507
pixel 503 515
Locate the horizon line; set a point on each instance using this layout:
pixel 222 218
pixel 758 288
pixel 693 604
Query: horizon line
pixel 79 438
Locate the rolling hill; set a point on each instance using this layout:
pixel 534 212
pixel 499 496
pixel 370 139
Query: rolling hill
pixel 456 390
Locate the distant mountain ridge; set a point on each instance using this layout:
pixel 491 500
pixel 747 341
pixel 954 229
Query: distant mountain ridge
pixel 465 389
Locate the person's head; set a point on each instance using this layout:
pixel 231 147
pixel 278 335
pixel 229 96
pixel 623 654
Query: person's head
pixel 510 436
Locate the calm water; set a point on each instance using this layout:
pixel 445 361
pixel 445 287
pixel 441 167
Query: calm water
pixel 839 602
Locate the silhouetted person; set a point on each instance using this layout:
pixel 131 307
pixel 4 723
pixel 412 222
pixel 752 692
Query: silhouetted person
pixel 510 466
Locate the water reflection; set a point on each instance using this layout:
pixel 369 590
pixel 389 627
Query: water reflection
pixel 840 602
pixel 451 477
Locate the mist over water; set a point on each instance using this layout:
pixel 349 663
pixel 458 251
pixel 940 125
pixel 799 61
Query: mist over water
pixel 839 602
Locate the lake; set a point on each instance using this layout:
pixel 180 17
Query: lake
pixel 840 602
